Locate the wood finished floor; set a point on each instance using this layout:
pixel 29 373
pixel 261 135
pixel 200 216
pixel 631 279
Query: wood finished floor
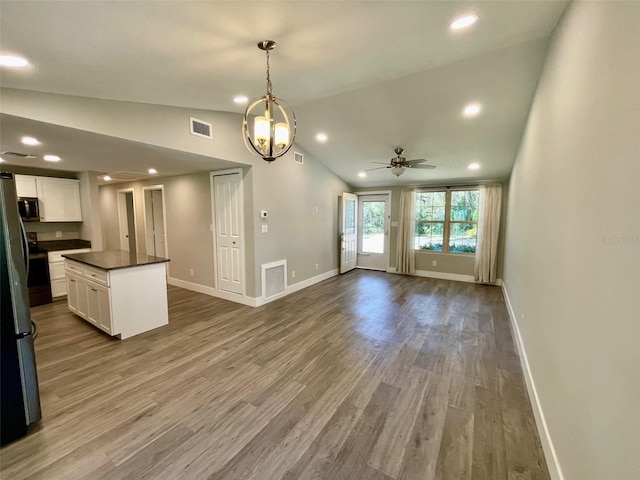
pixel 364 376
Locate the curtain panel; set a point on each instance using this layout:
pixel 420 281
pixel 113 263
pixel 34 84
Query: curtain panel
pixel 405 249
pixel 486 263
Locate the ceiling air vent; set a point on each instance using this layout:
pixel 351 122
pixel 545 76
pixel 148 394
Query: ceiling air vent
pixel 298 158
pixel 200 128
pixel 16 154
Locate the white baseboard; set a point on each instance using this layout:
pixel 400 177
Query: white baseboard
pixel 196 287
pixel 543 431
pixel 250 301
pixel 444 276
pixel 299 286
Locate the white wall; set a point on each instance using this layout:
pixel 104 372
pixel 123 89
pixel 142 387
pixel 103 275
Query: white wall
pixel 572 258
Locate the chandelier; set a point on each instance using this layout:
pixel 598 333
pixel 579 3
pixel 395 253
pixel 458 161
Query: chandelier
pixel 269 124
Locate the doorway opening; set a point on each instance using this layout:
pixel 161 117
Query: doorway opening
pixel 127 220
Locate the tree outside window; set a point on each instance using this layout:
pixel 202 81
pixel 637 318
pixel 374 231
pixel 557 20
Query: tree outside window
pixel 446 221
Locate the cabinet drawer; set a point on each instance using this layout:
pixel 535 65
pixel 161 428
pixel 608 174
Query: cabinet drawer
pixel 56 271
pixel 74 267
pixel 58 287
pixel 98 276
pixel 57 256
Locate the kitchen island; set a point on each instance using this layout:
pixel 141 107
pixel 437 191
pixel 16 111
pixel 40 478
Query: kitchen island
pixel 121 293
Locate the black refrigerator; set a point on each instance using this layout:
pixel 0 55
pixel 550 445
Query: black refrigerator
pixel 19 396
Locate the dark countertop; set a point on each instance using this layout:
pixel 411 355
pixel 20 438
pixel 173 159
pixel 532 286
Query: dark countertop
pixel 56 245
pixel 114 259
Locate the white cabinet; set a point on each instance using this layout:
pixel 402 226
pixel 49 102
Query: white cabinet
pixel 59 199
pixel 87 297
pixel 26 186
pixel 123 301
pixel 57 272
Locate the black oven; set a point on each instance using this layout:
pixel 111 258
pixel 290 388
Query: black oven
pixel 28 208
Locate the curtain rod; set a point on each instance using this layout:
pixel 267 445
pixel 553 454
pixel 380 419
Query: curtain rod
pixel 452 187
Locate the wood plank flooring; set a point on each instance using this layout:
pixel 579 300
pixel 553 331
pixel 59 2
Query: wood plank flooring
pixel 364 376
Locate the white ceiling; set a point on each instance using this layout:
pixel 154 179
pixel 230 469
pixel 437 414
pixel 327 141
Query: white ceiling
pixel 372 75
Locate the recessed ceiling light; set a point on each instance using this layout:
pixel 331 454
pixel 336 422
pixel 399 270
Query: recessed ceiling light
pixel 106 178
pixel 52 158
pixel 472 110
pixel 152 171
pixel 241 99
pixel 321 137
pixel 463 22
pixel 474 166
pixel 13 61
pixel 30 141
pixel 362 174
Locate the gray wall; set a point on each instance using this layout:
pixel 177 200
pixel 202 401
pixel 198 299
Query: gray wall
pixel 448 263
pixel 288 191
pixel 572 260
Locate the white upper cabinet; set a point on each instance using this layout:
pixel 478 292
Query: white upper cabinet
pixel 26 186
pixel 59 199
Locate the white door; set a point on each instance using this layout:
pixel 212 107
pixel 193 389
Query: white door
pixel 126 220
pixel 348 231
pixel 373 231
pixel 154 221
pixel 228 232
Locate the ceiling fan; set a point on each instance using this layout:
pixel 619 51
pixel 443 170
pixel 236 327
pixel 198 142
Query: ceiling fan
pixel 399 163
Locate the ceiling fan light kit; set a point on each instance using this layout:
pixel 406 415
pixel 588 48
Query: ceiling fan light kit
pixel 269 124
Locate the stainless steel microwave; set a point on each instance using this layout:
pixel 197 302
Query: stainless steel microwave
pixel 28 208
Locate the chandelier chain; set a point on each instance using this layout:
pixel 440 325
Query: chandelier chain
pixel 269 86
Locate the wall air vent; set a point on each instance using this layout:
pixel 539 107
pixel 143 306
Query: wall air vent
pixel 298 158
pixel 274 279
pixel 200 128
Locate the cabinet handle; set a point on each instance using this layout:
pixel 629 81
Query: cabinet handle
pixel 94 290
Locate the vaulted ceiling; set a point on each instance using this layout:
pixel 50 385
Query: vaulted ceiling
pixel 371 75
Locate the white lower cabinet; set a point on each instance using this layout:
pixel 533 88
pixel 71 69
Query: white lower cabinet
pixel 121 301
pixel 57 272
pixel 88 298
pixel 99 306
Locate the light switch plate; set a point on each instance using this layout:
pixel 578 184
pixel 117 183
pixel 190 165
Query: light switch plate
pixel 265 228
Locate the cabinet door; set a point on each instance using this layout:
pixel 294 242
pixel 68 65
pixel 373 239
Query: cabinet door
pixel 26 186
pixel 72 293
pixel 59 199
pixel 93 304
pixel 83 300
pixel 104 301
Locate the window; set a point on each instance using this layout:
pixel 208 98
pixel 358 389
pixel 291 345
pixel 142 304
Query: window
pixel 447 221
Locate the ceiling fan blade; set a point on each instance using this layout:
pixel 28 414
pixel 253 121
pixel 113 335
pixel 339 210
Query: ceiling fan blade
pixel 425 167
pixel 377 168
pixel 381 163
pixel 416 161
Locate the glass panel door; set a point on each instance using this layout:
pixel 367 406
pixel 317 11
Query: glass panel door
pixel 373 231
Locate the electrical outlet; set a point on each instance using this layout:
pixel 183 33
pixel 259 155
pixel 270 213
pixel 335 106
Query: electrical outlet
pixel 265 228
pixel 58 234
pixel 293 274
pixel 191 272
pixel 434 263
pixel 316 266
